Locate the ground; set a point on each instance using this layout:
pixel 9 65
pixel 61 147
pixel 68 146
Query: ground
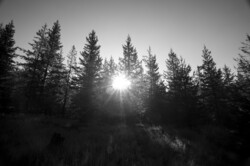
pixel 40 140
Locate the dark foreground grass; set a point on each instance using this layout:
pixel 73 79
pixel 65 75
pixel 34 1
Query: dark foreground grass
pixel 44 141
pixel 37 140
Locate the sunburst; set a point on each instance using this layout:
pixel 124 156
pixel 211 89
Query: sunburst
pixel 121 83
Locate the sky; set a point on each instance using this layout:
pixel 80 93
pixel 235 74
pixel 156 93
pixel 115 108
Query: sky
pixel 182 25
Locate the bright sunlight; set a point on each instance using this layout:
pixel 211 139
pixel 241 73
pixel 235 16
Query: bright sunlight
pixel 120 82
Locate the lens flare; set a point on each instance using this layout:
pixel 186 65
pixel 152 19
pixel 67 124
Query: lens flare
pixel 120 82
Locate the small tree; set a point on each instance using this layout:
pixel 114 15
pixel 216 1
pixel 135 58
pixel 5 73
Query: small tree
pixel 130 64
pixel 227 76
pixel 109 69
pixel 69 84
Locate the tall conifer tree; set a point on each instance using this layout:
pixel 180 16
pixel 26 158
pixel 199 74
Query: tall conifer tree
pixel 44 69
pixel 153 75
pixel 55 71
pixel 34 68
pixel 210 83
pixel 7 64
pixel 89 72
pixel 181 92
pixel 69 83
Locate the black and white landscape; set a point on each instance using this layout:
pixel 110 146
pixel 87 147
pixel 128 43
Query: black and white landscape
pixel 130 83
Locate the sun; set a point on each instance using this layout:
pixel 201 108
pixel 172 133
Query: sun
pixel 120 82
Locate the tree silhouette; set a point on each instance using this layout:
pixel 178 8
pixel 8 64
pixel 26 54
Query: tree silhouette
pixel 89 73
pixel 243 69
pixel 181 92
pixel 210 84
pixel 34 68
pixel 7 64
pixel 69 82
pixel 55 69
pixel 109 69
pixel 153 87
pixel 242 96
pixel 212 104
pixel 130 64
pixel 131 67
pixel 152 72
pixel 44 69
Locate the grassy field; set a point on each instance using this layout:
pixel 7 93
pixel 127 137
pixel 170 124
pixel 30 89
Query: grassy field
pixel 39 140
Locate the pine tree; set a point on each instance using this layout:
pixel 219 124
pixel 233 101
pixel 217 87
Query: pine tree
pixel 132 68
pixel 152 87
pixel 242 97
pixel 244 60
pixel 229 87
pixel 55 71
pixel 181 92
pixel 89 72
pixel 130 64
pixel 227 76
pixel 69 84
pixel 107 95
pixel 178 76
pixel 229 96
pixel 44 69
pixel 170 75
pixel 243 69
pixel 56 80
pixel 210 82
pixel 7 64
pixel 34 68
pixel 153 75
pixel 109 69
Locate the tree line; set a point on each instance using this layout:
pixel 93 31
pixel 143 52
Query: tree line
pixel 42 83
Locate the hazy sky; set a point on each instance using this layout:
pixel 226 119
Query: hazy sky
pixel 183 25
